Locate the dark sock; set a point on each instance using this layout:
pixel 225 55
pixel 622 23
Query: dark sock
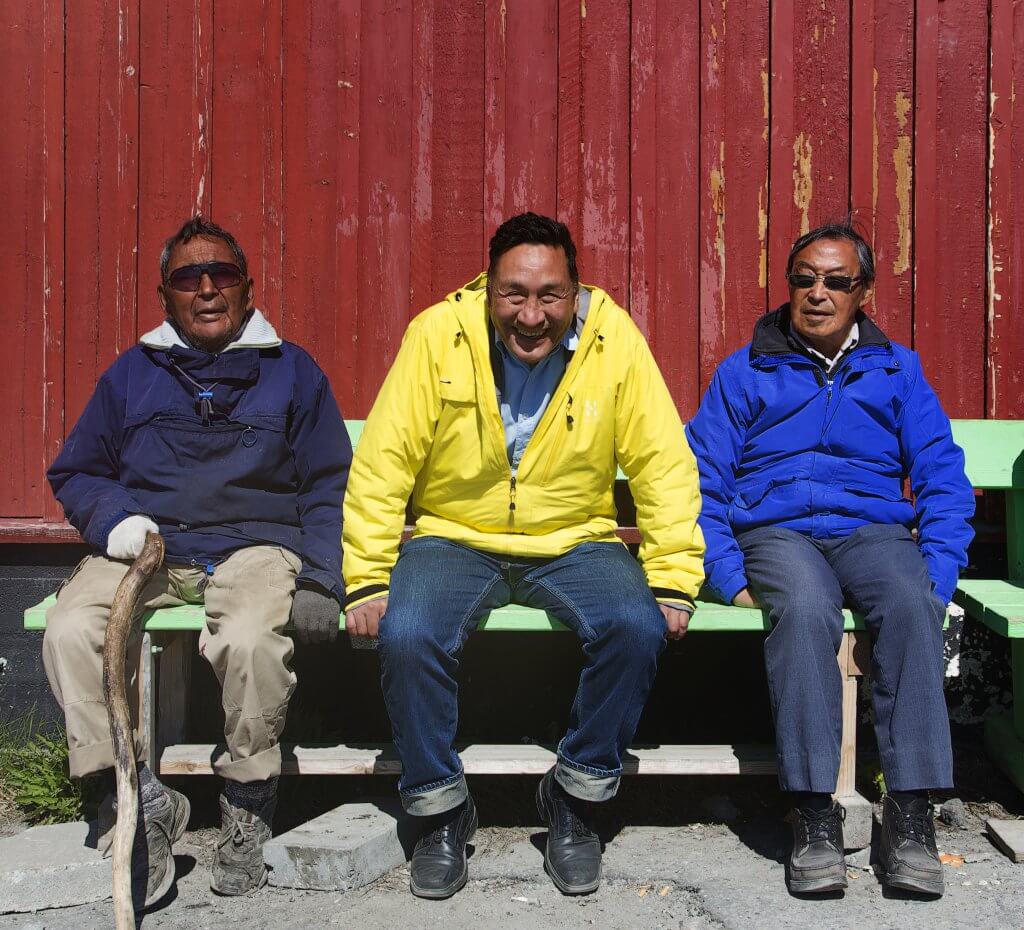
pixel 250 795
pixel 905 798
pixel 812 802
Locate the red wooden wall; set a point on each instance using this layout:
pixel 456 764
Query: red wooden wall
pixel 364 150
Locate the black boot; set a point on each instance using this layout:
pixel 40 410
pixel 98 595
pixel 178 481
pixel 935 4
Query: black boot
pixel 439 866
pixel 817 863
pixel 910 859
pixel 573 854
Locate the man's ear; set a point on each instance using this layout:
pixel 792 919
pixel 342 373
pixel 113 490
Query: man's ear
pixel 250 294
pixel 163 298
pixel 869 293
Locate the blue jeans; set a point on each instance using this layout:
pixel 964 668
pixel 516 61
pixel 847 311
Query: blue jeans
pixel 880 572
pixel 440 591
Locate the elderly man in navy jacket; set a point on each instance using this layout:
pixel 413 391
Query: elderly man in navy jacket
pixel 228 441
pixel 803 440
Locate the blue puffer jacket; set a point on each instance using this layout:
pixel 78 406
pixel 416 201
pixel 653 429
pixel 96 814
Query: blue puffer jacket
pixel 779 443
pixel 267 466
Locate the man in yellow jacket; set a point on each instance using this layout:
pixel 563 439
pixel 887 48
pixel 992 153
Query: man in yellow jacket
pixel 504 418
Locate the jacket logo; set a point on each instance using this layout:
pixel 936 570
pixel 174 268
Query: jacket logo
pixel 590 410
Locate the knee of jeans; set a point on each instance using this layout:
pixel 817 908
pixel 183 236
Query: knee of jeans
pixel 805 618
pixel 639 630
pixel 406 640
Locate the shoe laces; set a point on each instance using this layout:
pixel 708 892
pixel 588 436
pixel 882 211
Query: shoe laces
pixel 916 823
pixel 571 819
pixel 821 825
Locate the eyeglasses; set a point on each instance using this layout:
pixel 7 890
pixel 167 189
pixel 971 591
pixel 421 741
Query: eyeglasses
pixel 833 282
pixel 188 278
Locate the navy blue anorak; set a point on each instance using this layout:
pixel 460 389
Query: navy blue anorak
pixel 781 442
pixel 267 465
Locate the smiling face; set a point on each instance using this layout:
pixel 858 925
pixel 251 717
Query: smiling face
pixel 532 300
pixel 208 318
pixel 824 318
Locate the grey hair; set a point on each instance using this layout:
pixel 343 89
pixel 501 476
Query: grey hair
pixel 198 226
pixel 844 229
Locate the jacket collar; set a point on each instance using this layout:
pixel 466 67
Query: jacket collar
pixel 773 336
pixel 256 334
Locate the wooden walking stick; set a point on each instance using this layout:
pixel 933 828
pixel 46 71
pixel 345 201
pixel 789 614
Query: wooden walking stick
pixel 115 692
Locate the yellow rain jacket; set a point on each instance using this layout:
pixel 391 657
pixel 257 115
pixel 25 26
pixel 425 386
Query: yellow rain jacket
pixel 435 434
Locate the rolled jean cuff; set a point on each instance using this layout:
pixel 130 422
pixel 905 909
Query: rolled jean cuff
pixel 436 798
pixel 98 757
pixel 263 765
pixel 587 784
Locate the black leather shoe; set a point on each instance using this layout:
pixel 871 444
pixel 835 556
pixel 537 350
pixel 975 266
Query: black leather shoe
pixel 817 863
pixel 910 859
pixel 572 856
pixel 439 866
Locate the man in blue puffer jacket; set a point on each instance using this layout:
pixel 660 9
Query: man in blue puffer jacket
pixel 803 441
pixel 228 441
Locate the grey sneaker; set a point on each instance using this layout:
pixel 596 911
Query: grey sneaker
pixel 161 824
pixel 238 859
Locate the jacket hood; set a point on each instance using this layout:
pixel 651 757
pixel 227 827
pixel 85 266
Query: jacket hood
pixel 772 334
pixel 256 334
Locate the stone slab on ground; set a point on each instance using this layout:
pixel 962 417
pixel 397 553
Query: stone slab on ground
pixel 346 848
pixel 857 825
pixel 1008 835
pixel 51 866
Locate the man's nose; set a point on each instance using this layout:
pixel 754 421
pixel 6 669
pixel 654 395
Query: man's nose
pixel 207 289
pixel 818 293
pixel 532 313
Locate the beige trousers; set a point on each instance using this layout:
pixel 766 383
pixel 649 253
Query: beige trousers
pixel 248 600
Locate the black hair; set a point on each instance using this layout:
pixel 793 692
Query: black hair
pixel 197 226
pixel 844 229
pixel 533 229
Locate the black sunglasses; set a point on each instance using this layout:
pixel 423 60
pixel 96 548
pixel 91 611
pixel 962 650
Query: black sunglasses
pixel 188 278
pixel 833 282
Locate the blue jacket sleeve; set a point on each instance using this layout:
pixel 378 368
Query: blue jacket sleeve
pixel 944 497
pixel 85 476
pixel 716 435
pixel 323 455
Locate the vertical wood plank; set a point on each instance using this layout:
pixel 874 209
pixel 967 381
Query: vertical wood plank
pixel 25 33
pixel 734 175
pixel 175 171
pixel 321 125
pixel 247 159
pixel 810 182
pixel 951 151
pixel 596 201
pixel 881 153
pixel 1005 292
pixel 664 179
pixel 448 148
pixel 521 110
pixel 102 189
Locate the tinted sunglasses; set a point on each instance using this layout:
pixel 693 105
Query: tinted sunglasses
pixel 188 278
pixel 833 282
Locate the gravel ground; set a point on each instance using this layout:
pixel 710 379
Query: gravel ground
pixel 721 869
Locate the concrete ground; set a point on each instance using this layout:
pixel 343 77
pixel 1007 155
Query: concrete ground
pixel 719 866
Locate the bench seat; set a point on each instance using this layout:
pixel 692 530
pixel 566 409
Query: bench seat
pixel 710 617
pixel 999 605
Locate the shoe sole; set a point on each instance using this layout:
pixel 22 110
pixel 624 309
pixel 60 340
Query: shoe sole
pixel 920 885
pixel 182 814
pixel 817 885
pixel 560 884
pixel 438 894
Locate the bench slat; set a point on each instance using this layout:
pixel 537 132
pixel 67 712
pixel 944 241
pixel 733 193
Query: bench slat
pixel 993 451
pixel 997 604
pixel 485 759
pixel 710 618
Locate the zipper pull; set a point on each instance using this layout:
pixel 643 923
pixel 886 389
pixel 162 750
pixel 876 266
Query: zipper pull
pixel 512 494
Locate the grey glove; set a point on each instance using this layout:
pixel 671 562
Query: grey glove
pixel 315 615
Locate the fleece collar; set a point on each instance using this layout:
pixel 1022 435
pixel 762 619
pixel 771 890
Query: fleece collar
pixel 772 334
pixel 257 334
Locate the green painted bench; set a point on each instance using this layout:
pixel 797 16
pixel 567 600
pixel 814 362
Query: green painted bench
pixel 995 461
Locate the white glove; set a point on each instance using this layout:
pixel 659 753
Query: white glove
pixel 125 541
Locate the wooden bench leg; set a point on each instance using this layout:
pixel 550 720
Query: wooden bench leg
pixel 174 680
pixel 854 660
pixel 145 683
pixel 1004 733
